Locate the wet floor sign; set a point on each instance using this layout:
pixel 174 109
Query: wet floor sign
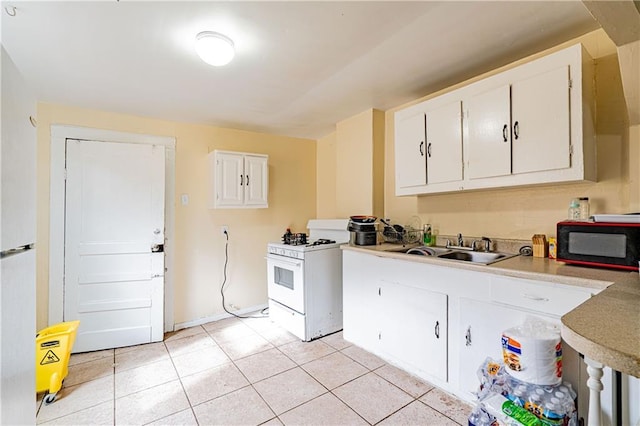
pixel 49 358
pixel 53 349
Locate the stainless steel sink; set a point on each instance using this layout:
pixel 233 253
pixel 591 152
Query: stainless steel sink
pixel 475 257
pixel 482 258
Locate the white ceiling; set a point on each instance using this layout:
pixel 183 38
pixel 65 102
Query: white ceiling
pixel 300 67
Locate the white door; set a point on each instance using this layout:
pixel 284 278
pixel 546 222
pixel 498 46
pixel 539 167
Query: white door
pixel 541 128
pixel 444 143
pixel 411 166
pixel 489 134
pixel 114 236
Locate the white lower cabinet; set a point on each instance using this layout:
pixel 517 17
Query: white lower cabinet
pixel 413 328
pixel 478 336
pixel 360 300
pixel 440 323
pixel 403 323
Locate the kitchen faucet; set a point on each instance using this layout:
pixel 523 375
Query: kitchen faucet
pixel 460 244
pixel 487 244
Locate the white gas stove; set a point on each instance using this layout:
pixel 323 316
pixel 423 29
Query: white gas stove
pixel 305 280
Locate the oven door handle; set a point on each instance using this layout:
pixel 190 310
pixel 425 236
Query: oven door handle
pixel 296 264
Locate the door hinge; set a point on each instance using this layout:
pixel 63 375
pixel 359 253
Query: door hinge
pixel 570 83
pixel 570 150
pixel 65 174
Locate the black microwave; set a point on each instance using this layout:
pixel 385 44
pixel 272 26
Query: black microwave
pixel 609 245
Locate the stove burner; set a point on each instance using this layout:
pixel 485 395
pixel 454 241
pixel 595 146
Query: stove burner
pixel 299 239
pixel 320 242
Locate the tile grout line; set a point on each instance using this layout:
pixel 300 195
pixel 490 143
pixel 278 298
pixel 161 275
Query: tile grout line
pixel 181 385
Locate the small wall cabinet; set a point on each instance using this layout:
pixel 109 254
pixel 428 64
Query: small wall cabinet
pixel 531 124
pixel 238 180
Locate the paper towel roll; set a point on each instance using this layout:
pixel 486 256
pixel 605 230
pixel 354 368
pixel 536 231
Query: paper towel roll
pixel 532 353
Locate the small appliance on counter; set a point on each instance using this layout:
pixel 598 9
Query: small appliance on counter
pixel 604 244
pixel 363 231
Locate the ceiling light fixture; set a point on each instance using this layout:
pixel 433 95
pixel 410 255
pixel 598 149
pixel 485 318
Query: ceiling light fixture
pixel 214 48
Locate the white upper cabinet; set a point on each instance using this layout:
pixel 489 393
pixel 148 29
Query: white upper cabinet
pixel 532 124
pixel 541 131
pixel 411 163
pixel 521 128
pixel 489 121
pixel 428 145
pixel 256 179
pixel 444 143
pixel 238 180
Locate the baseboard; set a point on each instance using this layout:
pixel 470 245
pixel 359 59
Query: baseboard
pixel 200 321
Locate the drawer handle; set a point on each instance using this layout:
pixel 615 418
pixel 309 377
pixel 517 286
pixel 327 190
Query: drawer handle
pixel 536 298
pixel 437 330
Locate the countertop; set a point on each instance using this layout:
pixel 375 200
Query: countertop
pixel 605 328
pixel 526 267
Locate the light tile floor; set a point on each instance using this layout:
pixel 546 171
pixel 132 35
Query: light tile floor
pixel 245 372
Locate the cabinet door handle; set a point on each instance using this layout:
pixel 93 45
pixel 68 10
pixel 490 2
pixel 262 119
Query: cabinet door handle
pixel 247 184
pixel 536 298
pixel 429 150
pixel 467 337
pixel 421 148
pixel 379 291
pixel 437 330
pixel 516 130
pixel 241 180
pixel 504 133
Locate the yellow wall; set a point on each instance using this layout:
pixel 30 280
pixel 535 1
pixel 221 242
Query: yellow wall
pixel 354 157
pixel 326 177
pixel 359 163
pixel 518 213
pixel 199 245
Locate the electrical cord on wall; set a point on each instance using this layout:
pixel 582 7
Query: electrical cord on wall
pixel 224 283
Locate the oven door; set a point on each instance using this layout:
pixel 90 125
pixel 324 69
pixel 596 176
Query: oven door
pixel 285 277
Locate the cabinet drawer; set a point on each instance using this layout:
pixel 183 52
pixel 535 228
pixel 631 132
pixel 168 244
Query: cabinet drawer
pixel 290 320
pixel 536 296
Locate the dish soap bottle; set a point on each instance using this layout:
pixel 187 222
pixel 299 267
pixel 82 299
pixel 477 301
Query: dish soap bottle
pixel 426 235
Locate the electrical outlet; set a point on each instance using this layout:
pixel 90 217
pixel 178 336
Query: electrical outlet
pixel 224 230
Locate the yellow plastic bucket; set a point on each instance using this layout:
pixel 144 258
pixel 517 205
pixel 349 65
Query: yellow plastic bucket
pixel 53 349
